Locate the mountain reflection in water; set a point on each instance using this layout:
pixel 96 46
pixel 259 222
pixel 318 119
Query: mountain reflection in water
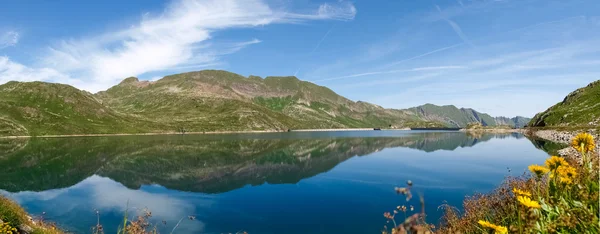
pixel 261 183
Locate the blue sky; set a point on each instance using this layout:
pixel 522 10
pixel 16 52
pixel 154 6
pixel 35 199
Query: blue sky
pixel 503 57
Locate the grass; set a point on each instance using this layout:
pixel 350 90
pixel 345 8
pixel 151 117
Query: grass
pixel 192 102
pixel 15 217
pixel 11 212
pixel 579 108
pixel 560 197
pixel 275 103
pixel 453 116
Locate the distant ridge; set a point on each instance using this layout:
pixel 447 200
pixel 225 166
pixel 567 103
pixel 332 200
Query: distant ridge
pixel 454 117
pixel 209 100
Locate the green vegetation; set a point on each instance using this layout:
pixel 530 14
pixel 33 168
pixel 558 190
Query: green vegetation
pixel 275 103
pixel 38 108
pixel 452 116
pixel 16 220
pixel 202 101
pixel 580 109
pixel 560 197
pixel 550 147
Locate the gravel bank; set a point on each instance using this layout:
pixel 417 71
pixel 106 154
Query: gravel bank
pixel 565 137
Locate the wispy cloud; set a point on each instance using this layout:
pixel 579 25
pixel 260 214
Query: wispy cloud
pixel 423 55
pixel 10 70
pixel 8 39
pixel 393 71
pixel 393 81
pixel 174 39
pixel 455 27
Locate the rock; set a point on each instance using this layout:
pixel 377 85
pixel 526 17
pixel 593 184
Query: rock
pixel 569 151
pixel 563 137
pixel 24 229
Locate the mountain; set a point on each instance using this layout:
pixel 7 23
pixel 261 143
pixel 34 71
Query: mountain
pixel 580 108
pixel 214 100
pixel 518 121
pixel 209 100
pixel 452 116
pixel 38 108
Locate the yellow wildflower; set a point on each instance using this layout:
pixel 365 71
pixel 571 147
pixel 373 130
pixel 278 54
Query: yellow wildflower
pixel 497 228
pixel 526 201
pixel 517 191
pixel 566 180
pixel 567 174
pixel 538 170
pixel 584 142
pixel 554 162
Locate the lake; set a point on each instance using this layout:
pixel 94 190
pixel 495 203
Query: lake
pixel 297 182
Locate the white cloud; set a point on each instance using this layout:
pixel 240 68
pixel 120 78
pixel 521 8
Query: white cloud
pixel 175 39
pixel 8 39
pixel 13 71
pixel 10 70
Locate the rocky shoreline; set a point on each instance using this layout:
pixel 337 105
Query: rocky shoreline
pixel 564 137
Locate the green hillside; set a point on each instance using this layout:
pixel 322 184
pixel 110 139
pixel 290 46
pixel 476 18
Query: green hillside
pixel 452 116
pixel 580 108
pixel 209 100
pixel 213 100
pixel 38 108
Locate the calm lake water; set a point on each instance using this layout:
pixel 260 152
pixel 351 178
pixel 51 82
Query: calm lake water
pixel 321 182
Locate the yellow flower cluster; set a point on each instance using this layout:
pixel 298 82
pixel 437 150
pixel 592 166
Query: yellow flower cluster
pixel 566 174
pixel 560 167
pixel 5 228
pixel 584 142
pixel 517 191
pixel 526 201
pixel 497 228
pixel 538 170
pixel 554 162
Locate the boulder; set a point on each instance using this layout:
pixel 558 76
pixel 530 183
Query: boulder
pixel 24 229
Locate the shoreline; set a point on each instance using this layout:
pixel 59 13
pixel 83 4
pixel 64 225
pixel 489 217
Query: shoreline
pixel 495 130
pixel 563 137
pixel 201 133
pixel 558 136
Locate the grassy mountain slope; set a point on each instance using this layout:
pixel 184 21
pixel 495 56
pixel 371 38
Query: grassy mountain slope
pixel 455 117
pixel 209 100
pixel 218 100
pixel 580 108
pixel 38 108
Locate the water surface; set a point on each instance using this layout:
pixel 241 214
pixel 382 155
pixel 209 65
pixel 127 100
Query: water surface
pixel 322 182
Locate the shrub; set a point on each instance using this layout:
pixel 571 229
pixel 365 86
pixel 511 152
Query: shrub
pixel 11 212
pixel 559 197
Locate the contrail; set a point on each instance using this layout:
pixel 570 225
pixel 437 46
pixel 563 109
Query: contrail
pixel 394 71
pixel 321 41
pixel 425 54
pixel 455 27
pixel 544 23
pixel 317 46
